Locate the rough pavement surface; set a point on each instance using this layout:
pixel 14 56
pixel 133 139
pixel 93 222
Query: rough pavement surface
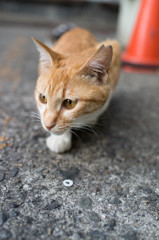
pixel 115 173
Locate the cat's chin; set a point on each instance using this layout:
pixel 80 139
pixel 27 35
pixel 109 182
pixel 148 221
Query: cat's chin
pixel 58 132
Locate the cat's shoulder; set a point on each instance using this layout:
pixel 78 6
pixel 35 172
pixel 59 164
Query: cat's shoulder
pixel 78 33
pixel 75 40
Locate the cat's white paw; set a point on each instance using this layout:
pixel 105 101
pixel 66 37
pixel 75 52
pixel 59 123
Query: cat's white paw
pixel 59 143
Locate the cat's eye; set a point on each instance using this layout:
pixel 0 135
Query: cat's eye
pixel 42 98
pixel 69 104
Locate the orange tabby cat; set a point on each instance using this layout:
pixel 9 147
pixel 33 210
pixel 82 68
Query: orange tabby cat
pixel 77 79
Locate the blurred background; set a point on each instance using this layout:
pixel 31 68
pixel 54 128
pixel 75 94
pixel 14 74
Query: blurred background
pixel 102 17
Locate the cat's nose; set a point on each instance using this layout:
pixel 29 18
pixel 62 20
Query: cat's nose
pixel 50 127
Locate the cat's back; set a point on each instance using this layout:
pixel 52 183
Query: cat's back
pixel 74 41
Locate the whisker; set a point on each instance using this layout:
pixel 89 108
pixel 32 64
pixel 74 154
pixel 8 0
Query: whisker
pixel 35 120
pixel 35 117
pixel 84 126
pixel 75 134
pixel 35 114
pixel 83 130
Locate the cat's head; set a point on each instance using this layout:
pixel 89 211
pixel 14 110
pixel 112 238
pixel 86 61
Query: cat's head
pixel 71 89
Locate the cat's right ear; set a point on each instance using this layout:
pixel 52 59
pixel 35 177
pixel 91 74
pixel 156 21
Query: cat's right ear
pixel 47 56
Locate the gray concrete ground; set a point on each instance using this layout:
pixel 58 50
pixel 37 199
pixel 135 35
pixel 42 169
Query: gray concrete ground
pixel 115 195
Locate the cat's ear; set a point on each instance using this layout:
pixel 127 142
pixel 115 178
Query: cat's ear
pixel 47 56
pixel 96 68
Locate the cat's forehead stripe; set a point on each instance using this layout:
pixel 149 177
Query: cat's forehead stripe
pixel 57 87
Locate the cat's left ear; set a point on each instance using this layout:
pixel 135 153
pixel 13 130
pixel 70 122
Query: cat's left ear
pixel 98 65
pixel 47 56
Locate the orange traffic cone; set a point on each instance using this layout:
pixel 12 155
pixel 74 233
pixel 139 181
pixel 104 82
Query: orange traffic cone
pixel 143 49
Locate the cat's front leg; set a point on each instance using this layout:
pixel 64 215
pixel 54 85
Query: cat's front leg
pixel 59 143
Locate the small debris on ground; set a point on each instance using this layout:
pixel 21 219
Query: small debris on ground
pixel 2 138
pixel 68 182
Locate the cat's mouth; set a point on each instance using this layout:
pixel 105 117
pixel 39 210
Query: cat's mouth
pixel 56 131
